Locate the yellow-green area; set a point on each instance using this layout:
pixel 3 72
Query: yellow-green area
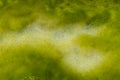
pixel 59 39
pixel 16 14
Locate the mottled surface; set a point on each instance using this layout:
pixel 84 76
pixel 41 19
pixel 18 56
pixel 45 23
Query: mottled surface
pixel 59 40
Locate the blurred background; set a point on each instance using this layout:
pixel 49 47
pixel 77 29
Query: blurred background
pixel 59 39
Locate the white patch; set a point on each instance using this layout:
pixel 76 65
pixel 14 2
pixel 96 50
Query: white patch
pixel 63 40
pixel 83 62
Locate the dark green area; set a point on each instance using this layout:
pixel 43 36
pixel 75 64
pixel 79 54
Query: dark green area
pixel 27 63
pixel 17 14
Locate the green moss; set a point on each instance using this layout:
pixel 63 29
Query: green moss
pixel 64 11
pixel 44 61
pixel 32 63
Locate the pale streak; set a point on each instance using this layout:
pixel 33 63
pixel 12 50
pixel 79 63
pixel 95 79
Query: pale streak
pixel 63 39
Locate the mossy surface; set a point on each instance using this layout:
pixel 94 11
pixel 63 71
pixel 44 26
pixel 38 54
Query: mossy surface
pixel 46 39
pixel 16 14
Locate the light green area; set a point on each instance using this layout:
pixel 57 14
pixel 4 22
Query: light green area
pixel 44 61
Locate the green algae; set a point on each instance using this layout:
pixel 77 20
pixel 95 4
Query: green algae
pixel 44 61
pixel 64 11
